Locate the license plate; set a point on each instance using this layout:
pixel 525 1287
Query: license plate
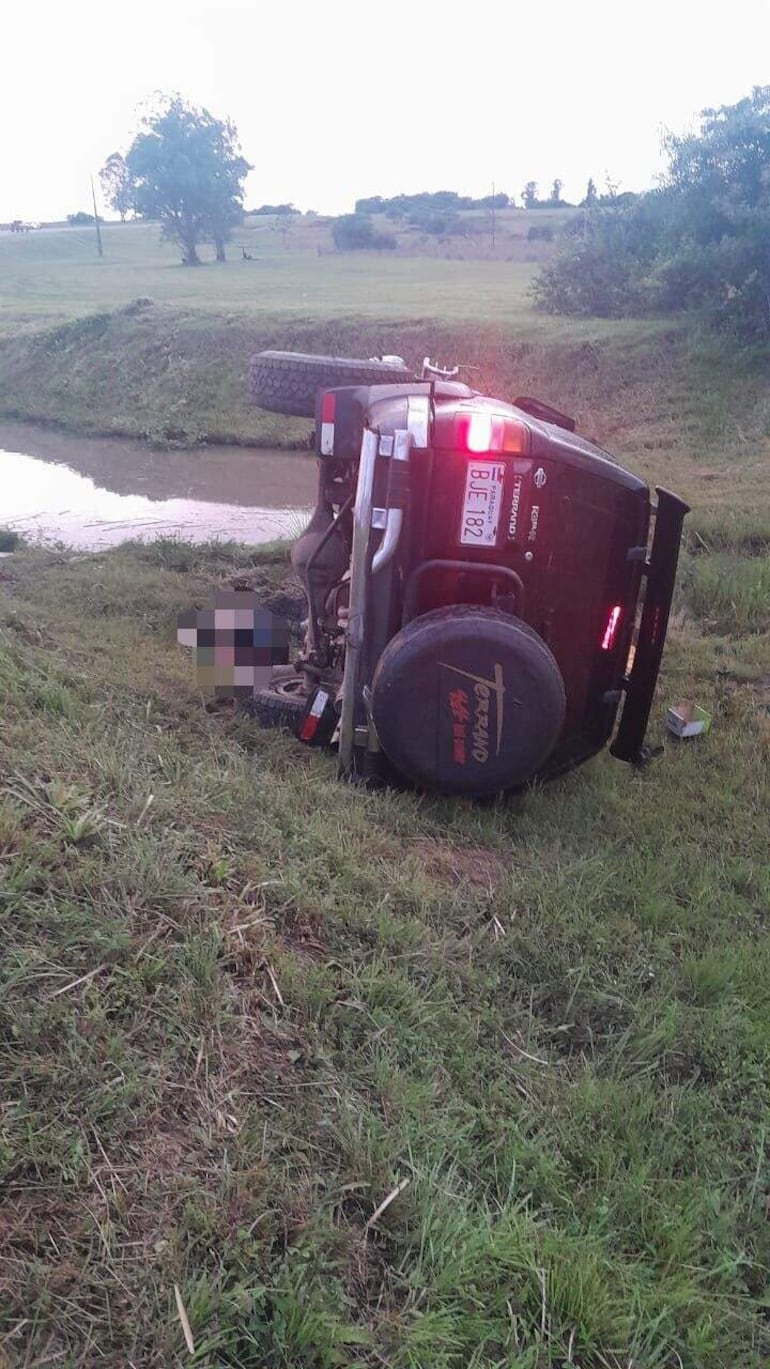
pixel 482 503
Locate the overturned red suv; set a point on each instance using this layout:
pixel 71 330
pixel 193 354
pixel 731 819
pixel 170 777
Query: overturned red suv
pixel 487 591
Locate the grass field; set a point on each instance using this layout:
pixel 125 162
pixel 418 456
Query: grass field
pixel 136 344
pixel 349 1079
pixel 57 273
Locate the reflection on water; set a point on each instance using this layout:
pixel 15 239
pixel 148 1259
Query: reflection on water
pixel 110 491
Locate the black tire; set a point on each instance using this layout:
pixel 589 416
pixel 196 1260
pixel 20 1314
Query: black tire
pixel 467 700
pixel 288 382
pixel 282 705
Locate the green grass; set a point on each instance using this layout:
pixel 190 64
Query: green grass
pixel 243 1004
pixel 57 273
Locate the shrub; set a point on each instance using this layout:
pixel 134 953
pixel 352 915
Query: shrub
pixel 540 232
pixel 354 232
pixel 438 223
pixel 699 243
pixel 604 270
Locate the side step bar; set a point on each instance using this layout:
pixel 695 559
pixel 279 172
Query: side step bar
pixel 661 574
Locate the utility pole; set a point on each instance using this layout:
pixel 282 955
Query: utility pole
pixel 99 247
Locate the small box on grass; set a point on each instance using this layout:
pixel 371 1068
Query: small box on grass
pixel 687 720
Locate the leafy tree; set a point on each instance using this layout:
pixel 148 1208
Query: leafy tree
pixel 81 219
pixel 529 195
pixel 117 185
pixel 702 241
pixel 556 190
pixel 188 172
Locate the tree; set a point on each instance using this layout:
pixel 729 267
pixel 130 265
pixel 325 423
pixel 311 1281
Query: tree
pixel 187 171
pixel 529 195
pixel 718 191
pixel 698 242
pixel 117 185
pixel 591 196
pixel 284 222
pixel 556 191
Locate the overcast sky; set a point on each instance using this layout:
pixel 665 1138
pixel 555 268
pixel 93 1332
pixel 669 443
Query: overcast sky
pixel 337 99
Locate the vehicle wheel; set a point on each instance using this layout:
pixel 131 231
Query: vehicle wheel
pixel 282 705
pixel 288 382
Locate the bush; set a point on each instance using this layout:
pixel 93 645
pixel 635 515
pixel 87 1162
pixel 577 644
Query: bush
pixel 439 224
pixel 540 232
pixel 274 209
pixel 81 219
pixel 605 270
pixel 699 243
pixel 354 232
pixel 601 272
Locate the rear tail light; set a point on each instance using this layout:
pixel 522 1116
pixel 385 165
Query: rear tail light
pixel 481 431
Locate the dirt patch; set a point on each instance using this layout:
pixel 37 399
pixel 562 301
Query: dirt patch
pixel 474 865
pixel 303 935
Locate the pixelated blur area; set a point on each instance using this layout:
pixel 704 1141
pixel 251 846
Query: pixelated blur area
pixel 236 644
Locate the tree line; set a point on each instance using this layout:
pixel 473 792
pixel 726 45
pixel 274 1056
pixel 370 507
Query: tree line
pixel 416 207
pixel 700 240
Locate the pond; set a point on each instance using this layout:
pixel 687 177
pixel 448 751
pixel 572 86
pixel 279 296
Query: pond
pixel 93 493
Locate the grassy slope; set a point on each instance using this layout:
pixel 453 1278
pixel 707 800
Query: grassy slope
pixel 156 372
pixel 550 1021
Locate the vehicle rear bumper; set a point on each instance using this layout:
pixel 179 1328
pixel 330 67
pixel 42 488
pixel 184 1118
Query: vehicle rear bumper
pixel 661 575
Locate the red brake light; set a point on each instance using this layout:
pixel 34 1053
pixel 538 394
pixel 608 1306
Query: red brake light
pixel 611 630
pixel 482 431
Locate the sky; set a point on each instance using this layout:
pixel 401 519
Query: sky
pixel 334 100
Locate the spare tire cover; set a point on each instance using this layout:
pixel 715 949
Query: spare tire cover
pixel 467 700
